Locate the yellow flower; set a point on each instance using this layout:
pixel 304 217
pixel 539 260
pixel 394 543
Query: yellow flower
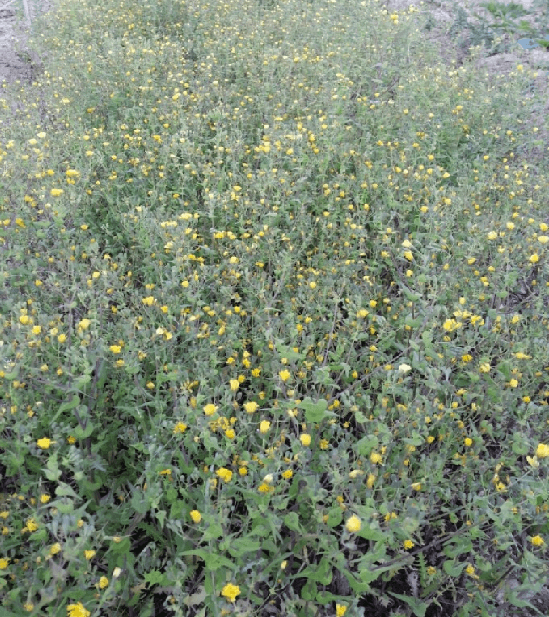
pixel 44 498
pixel 513 383
pixel 55 548
pixel 103 582
pixel 115 348
pixel 4 563
pixel 89 554
pixel 537 541
pixel 468 441
pixel 44 443
pixel 264 426
pixel 62 338
pixel 375 458
pixel 285 374
pixel 353 524
pixel 180 427
pixel 196 516
pixel 235 384
pixel 484 367
pixel 224 474
pixel 77 610
pixel 230 592
pixel 534 258
pixel 305 439
pixel 32 524
pixel 230 433
pixel 84 324
pixel 416 486
pixel 210 409
pixel 148 301
pixel 56 192
pixel 542 450
pixel 340 610
pixel 408 544
pixel 492 235
pixel 287 475
pixel 251 406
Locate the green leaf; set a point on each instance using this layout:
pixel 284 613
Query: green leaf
pixel 315 412
pixel 520 444
pixel 418 606
pixel 365 445
pixel 453 569
pixel 67 406
pixel 288 352
pixel 213 532
pixel 213 561
pixel 155 577
pixel 291 521
pixel 335 516
pixel 82 433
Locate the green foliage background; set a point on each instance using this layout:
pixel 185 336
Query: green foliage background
pixel 273 264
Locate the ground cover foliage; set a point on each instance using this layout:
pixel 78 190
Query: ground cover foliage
pixel 273 298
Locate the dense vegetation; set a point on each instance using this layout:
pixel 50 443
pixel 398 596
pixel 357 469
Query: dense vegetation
pixel 273 317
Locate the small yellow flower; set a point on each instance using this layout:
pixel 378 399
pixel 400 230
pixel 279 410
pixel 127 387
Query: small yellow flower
pixel 375 458
pixel 230 592
pixel 148 301
pixel 230 433
pixel 513 383
pixel 305 439
pixel 196 516
pixel 55 548
pixel 103 582
pixel 32 525
pixel 4 563
pixel 340 610
pixel 353 524
pixel 235 384
pixel 485 367
pixel 468 441
pixel 56 192
pixel 44 443
pixel 285 374
pixel 408 544
pixel 537 540
pixel 180 427
pixel 534 258
pixel 115 348
pixel 251 406
pixel 288 474
pixel 89 554
pixel 210 409
pixel 224 474
pixel 542 450
pixel 77 610
pixel 44 498
pixel 264 426
pixel 416 486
